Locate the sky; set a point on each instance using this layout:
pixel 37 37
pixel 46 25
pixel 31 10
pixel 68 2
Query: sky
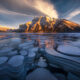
pixel 15 12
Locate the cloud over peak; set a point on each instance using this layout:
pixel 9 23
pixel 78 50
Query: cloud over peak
pixel 44 6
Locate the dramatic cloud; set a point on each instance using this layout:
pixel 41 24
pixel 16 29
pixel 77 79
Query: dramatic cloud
pixel 15 12
pixel 44 6
pixel 30 7
pixel 73 14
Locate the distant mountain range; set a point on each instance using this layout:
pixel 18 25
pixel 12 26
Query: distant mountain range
pixel 47 24
pixel 5 29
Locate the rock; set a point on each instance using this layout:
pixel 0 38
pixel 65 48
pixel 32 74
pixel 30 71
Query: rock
pixel 41 74
pixel 3 60
pixel 60 76
pixel 72 77
pixel 69 50
pixel 16 61
pixel 23 52
pixel 47 24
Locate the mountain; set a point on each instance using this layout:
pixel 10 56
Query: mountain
pixel 63 25
pixel 4 28
pixel 47 24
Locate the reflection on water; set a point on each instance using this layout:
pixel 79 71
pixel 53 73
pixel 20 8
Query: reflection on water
pixel 41 40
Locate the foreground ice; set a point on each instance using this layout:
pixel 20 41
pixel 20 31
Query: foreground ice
pixel 41 74
pixel 3 60
pixel 16 61
pixel 69 50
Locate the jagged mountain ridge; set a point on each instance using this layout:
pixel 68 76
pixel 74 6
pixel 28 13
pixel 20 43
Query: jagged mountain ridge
pixel 47 24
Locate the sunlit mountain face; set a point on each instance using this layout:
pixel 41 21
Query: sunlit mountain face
pixel 49 25
pixel 15 12
pixel 5 28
